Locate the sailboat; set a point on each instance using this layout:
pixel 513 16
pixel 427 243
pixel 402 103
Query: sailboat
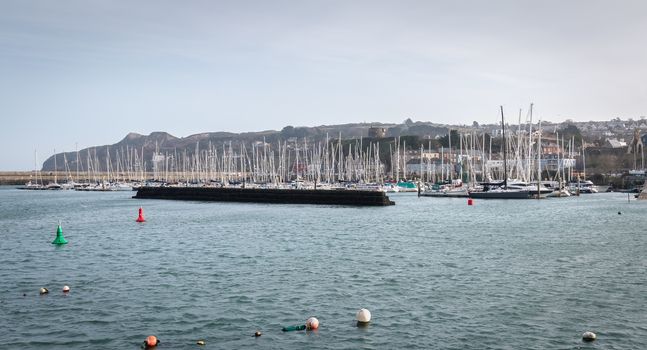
pixel 54 185
pixel 449 189
pixel 501 190
pixel 560 190
pixel 34 185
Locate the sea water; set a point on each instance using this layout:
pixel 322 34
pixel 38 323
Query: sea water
pixel 434 272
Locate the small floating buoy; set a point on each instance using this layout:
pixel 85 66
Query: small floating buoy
pixel 363 316
pixel 470 201
pixel 66 289
pixel 59 236
pixel 312 323
pixel 43 291
pixel 258 334
pixel 200 342
pixel 619 213
pixel 151 342
pixel 141 215
pixel 589 336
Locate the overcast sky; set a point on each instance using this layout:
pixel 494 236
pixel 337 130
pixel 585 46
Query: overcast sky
pixel 88 72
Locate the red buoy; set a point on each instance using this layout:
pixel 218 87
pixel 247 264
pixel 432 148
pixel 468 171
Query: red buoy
pixel 470 201
pixel 141 215
pixel 151 342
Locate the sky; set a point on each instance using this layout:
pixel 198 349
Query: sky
pixel 88 72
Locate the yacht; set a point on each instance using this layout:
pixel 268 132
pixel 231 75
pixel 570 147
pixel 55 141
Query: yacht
pixel 499 191
pixel 585 186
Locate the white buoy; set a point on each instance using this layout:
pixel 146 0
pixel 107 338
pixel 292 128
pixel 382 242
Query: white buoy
pixel 589 336
pixel 44 290
pixel 312 323
pixel 363 315
pixel 66 289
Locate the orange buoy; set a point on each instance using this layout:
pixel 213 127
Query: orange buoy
pixel 151 342
pixel 312 323
pixel 470 201
pixel 141 215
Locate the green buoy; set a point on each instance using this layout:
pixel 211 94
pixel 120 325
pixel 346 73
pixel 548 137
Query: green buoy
pixel 59 236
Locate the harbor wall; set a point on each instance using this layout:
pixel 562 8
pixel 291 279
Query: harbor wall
pixel 22 177
pixel 275 196
pixel 45 177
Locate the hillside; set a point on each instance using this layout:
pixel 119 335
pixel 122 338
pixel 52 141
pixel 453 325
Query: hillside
pixel 135 151
pixel 134 147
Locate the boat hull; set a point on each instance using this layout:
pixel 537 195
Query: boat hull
pixel 448 194
pixel 500 195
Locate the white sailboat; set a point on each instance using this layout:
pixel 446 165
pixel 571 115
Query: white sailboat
pixel 501 190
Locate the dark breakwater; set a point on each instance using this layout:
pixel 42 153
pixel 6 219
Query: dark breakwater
pixel 276 196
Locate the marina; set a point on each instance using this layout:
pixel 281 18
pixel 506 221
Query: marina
pixel 433 273
pixel 530 162
pixel 323 175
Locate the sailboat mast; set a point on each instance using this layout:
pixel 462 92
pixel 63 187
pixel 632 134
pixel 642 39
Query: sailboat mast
pixel 451 169
pixel 55 168
pixel 505 154
pixel 584 160
pixel 530 148
pixel 539 154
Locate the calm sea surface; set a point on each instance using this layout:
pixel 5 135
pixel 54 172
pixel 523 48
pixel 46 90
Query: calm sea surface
pixel 435 273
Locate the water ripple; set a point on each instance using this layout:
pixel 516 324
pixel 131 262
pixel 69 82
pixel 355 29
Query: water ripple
pixel 434 273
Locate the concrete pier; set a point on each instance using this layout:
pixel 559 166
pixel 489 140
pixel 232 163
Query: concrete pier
pixel 276 196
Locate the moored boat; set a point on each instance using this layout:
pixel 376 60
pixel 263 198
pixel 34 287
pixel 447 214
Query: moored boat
pixel 559 192
pixel 499 191
pixel 32 186
pixel 586 186
pixel 445 191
